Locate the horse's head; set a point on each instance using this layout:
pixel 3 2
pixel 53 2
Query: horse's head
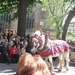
pixel 36 43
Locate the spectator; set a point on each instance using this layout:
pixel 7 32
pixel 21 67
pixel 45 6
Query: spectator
pixel 32 65
pixel 1 54
pixel 19 50
pixel 23 49
pixel 5 52
pixel 10 33
pixel 14 54
pixel 22 39
pixel 16 41
pixel 1 39
pixel 29 46
pixel 25 42
pixel 28 36
pixel 5 39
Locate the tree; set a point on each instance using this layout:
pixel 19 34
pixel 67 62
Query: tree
pixel 71 14
pixel 20 6
pixel 58 11
pixel 56 15
pixel 22 18
pixel 67 21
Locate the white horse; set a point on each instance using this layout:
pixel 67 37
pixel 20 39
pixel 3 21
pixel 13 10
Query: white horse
pixel 51 48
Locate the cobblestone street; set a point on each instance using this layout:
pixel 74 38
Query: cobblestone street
pixel 10 69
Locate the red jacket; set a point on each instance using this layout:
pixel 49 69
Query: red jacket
pixel 13 51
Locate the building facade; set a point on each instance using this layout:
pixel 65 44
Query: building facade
pixel 6 23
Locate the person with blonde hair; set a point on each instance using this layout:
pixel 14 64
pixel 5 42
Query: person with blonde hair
pixel 32 65
pixel 23 49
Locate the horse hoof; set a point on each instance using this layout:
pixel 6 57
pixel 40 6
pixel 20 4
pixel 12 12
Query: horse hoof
pixel 51 70
pixel 59 70
pixel 67 69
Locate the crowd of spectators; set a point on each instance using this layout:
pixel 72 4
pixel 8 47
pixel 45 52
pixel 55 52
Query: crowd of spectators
pixel 71 45
pixel 16 49
pixel 12 46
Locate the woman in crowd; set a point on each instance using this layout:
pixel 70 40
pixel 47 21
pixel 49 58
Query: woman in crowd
pixel 19 50
pixel 14 54
pixel 32 65
pixel 23 49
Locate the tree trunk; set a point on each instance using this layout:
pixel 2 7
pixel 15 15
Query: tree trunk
pixel 67 21
pixel 21 31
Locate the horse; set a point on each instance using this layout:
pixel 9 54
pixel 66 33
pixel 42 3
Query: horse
pixel 48 49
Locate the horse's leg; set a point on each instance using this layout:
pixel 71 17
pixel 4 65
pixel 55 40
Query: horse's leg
pixel 51 62
pixel 58 63
pixel 61 62
pixel 46 59
pixel 67 60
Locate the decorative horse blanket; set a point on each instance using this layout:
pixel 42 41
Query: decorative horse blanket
pixel 55 46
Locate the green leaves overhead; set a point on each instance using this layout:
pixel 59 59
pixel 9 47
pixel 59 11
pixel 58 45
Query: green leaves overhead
pixel 57 11
pixel 7 6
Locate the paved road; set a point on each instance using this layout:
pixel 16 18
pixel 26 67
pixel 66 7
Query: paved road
pixel 71 70
pixel 10 69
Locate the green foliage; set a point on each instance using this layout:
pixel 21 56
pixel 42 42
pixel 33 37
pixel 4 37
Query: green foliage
pixel 8 6
pixel 56 15
pixel 57 10
pixel 71 34
pixel 69 1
